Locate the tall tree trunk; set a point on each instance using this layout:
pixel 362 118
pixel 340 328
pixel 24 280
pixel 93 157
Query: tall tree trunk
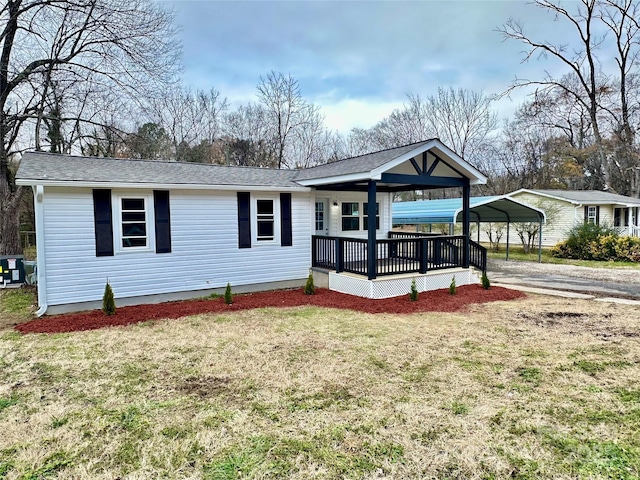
pixel 10 222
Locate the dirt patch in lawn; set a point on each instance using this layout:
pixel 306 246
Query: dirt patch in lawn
pixel 433 301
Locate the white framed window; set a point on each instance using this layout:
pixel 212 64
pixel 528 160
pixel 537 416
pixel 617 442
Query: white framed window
pixel 592 214
pixel 265 220
pixel 320 215
pixel 133 223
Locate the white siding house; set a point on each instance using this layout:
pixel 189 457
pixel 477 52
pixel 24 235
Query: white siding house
pixel 158 231
pixel 567 208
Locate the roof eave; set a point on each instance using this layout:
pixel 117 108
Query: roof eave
pixel 163 186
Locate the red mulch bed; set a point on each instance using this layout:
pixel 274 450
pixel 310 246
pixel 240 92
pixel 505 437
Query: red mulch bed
pixel 434 301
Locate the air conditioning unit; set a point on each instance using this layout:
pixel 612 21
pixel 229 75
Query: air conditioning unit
pixel 11 271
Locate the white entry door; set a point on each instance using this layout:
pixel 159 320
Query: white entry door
pixel 322 216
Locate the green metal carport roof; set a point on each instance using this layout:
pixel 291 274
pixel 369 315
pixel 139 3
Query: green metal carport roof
pixel 449 210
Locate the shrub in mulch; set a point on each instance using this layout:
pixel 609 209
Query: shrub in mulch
pixel 433 301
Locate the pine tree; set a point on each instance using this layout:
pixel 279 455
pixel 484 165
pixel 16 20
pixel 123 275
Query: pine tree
pixel 413 293
pixel 108 301
pixel 310 288
pixel 228 296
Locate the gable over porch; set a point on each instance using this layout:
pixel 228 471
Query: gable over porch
pixel 421 166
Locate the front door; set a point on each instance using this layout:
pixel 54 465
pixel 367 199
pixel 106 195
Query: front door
pixel 322 216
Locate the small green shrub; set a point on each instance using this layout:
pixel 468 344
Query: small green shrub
pixel 484 280
pixel 452 288
pixel 228 296
pixel 108 301
pixel 309 287
pixel 413 293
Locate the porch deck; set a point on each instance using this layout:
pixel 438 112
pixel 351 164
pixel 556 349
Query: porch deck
pixel 400 253
pixel 429 260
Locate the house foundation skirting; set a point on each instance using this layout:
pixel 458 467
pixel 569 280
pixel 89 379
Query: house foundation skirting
pixel 174 296
pixel 396 285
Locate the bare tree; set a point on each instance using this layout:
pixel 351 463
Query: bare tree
pixel 589 88
pixel 126 46
pixel 247 139
pixel 192 120
pixel 462 119
pixel 286 111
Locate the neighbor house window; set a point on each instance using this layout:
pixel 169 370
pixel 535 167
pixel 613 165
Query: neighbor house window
pixel 592 215
pixel 350 216
pixel 133 222
pixel 266 222
pixel 365 210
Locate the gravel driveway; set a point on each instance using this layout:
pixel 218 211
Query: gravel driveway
pixel 601 282
pixel 613 275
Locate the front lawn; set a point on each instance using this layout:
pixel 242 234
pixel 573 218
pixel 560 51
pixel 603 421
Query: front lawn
pixel 532 388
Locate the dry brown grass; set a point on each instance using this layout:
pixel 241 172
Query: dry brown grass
pixel 536 388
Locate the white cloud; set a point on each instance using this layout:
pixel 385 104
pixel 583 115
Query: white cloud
pixel 356 113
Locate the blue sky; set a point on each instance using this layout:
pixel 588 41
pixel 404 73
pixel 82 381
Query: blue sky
pixel 357 60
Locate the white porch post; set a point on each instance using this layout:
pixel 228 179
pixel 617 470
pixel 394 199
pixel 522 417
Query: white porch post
pixel 466 195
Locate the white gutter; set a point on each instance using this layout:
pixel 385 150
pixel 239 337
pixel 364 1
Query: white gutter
pixel 38 197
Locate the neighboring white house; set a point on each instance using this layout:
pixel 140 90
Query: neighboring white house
pixel 166 230
pixel 567 208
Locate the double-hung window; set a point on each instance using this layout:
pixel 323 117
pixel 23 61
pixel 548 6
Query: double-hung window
pixel 350 216
pixel 265 220
pixel 134 232
pixel 592 214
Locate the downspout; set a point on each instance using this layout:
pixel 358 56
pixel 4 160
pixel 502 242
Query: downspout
pixel 38 197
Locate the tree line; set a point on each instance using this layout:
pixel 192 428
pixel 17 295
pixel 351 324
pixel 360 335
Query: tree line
pixel 74 73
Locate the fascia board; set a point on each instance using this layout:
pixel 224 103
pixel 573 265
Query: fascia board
pixel 353 177
pixel 540 194
pixel 158 186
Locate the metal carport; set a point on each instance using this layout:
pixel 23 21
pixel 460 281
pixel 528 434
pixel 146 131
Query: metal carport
pixel 483 209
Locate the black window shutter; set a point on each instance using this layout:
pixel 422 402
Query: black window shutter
pixel 586 214
pixel 286 234
pixel 244 220
pixel 163 221
pixel 102 222
pixel 597 215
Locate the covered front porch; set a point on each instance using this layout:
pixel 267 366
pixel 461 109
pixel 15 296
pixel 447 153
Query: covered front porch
pixel 350 257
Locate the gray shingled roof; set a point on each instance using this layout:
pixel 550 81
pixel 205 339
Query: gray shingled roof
pixel 53 167
pixel 590 196
pixel 39 166
pixel 361 164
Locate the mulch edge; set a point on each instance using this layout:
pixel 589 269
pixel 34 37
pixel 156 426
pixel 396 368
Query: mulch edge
pixel 431 301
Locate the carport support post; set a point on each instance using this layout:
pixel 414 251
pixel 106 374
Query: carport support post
pixel 372 260
pixel 466 220
pixel 540 242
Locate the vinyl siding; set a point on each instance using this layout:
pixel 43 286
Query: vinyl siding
pixel 557 228
pixel 335 213
pixel 205 253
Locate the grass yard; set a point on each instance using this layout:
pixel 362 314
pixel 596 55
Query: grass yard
pixel 528 389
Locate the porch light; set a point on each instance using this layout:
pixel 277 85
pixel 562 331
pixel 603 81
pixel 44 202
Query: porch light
pixel 335 204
